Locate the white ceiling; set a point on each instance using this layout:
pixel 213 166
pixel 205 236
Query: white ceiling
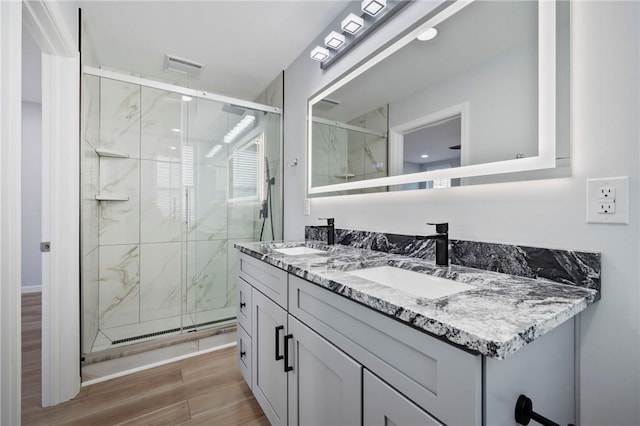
pixel 243 45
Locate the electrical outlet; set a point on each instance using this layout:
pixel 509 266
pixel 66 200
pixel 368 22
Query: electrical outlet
pixel 607 192
pixel 608 200
pixel 606 207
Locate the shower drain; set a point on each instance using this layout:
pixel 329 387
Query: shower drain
pixel 171 330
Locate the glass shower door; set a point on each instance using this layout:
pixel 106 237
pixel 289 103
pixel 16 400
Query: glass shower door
pixel 229 152
pixel 206 245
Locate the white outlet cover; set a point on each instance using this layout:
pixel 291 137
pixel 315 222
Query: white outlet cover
pixel 307 207
pixel 621 200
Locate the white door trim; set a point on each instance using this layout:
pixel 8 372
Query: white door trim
pixel 46 24
pixel 10 221
pixel 60 226
pixel 60 199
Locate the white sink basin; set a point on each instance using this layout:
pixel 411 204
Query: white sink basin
pixel 295 251
pixel 415 283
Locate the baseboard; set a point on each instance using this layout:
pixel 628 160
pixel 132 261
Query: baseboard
pixel 31 289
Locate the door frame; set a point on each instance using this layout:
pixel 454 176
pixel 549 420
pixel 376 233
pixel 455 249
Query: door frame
pixel 53 27
pixel 10 210
pixel 56 33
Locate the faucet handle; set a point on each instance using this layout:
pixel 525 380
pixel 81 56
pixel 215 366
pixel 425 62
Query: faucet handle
pixel 441 228
pixel 330 220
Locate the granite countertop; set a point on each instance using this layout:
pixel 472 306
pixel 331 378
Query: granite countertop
pixel 499 316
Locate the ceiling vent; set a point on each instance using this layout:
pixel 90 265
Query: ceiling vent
pixel 182 66
pixel 326 104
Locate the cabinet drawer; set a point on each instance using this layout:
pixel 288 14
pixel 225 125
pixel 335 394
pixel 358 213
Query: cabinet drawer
pixel 383 405
pixel 442 379
pixel 271 281
pixel 244 304
pixel 244 355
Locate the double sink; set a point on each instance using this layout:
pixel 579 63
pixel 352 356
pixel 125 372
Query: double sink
pixel 411 282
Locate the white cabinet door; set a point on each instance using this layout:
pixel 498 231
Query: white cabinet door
pixel 384 406
pixel 269 381
pixel 244 355
pixel 244 305
pixel 325 384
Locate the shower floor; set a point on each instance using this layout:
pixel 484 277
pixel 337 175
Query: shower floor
pixel 109 338
pixel 121 350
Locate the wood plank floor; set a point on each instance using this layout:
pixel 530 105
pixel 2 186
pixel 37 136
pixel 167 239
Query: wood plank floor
pixel 203 390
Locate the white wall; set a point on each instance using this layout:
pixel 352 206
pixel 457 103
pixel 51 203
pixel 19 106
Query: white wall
pixel 31 194
pixel 605 105
pixel 495 101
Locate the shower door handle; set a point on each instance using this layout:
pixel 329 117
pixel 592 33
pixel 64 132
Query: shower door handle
pixel 187 209
pixel 278 329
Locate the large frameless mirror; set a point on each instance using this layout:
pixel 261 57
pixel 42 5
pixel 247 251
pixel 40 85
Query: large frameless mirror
pixel 485 94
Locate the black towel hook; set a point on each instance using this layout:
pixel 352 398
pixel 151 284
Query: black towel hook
pixel 524 413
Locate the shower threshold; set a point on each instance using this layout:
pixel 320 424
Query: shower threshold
pixel 197 338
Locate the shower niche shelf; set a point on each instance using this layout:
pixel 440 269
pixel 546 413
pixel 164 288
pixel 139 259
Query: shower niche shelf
pixel 104 152
pixel 112 197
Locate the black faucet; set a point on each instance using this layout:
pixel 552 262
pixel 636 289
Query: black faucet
pixel 331 230
pixel 442 242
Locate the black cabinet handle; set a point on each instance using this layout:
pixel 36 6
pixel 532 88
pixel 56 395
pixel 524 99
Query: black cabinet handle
pixel 242 305
pixel 524 413
pixel 278 356
pixel 287 367
pixel 242 354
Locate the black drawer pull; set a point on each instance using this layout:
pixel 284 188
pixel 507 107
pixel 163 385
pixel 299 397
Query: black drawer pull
pixel 242 305
pixel 524 413
pixel 278 356
pixel 287 367
pixel 242 354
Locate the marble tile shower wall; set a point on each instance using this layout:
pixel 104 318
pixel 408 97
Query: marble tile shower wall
pixel 341 155
pixel 563 266
pixel 368 153
pixel 145 256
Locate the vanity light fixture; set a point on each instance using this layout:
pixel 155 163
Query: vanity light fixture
pixel 319 54
pixel 352 23
pixel 240 127
pixel 373 7
pixel 428 34
pixel 334 40
pixel 356 27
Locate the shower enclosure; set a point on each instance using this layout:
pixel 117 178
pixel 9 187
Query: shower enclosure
pixel 171 179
